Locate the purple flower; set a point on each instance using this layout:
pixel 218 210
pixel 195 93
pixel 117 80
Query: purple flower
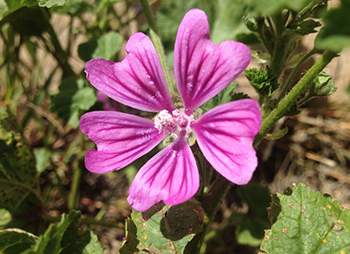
pixel 224 134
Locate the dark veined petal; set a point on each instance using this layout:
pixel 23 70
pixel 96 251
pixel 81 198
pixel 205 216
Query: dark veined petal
pixel 138 81
pixel 201 68
pixel 225 135
pixel 171 175
pixel 120 138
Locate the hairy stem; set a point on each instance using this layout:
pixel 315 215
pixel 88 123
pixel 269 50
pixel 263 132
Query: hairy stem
pixel 292 96
pixel 291 76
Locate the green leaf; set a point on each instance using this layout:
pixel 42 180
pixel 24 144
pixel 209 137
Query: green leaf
pixel 42 156
pixel 264 81
pixel 5 217
pixel 26 21
pixel 14 241
pixel 163 229
pixel 308 222
pixel 66 238
pixel 250 226
pixel 106 47
pixel 18 176
pixel 335 35
pixel 3 8
pixel 50 3
pixel 73 97
pixel 229 22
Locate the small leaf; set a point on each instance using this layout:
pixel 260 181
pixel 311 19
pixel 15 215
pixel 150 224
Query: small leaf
pixel 14 241
pixel 264 81
pixel 72 98
pixel 163 229
pixel 277 134
pixel 42 156
pixel 307 27
pixel 322 85
pixel 5 217
pixel 308 223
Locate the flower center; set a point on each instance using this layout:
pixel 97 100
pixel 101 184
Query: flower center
pixel 174 122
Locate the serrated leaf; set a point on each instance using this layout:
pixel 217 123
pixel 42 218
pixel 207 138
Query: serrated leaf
pixel 66 238
pixel 106 47
pixel 308 223
pixel 14 241
pixel 72 98
pixel 50 3
pixel 335 35
pixel 163 229
pixel 18 177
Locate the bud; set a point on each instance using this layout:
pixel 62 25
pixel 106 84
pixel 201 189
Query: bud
pixel 322 85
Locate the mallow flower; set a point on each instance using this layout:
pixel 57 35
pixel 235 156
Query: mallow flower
pixel 224 134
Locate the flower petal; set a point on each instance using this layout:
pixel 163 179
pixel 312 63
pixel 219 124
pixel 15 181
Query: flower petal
pixel 201 68
pixel 171 175
pixel 225 135
pixel 120 138
pixel 138 81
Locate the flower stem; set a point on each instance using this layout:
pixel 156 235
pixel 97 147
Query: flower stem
pixel 291 76
pixel 292 96
pixel 154 33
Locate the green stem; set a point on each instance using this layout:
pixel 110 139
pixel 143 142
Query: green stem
pixel 279 50
pixel 74 194
pixel 291 76
pixel 157 42
pixel 292 96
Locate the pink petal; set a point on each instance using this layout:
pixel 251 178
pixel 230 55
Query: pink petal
pixel 171 175
pixel 138 81
pixel 225 135
pixel 201 68
pixel 120 138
